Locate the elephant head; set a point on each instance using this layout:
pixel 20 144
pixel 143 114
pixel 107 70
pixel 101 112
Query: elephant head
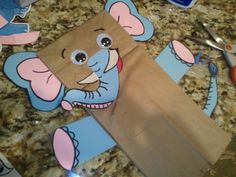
pixel 88 60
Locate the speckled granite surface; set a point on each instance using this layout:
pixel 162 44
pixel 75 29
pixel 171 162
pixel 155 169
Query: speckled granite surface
pixel 25 133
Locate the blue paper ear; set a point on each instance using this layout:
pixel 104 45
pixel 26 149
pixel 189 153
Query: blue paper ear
pixel 26 70
pixel 127 15
pixel 9 10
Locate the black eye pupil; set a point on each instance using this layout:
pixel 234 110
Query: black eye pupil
pixel 106 42
pixel 80 57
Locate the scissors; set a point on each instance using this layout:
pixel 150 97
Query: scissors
pixel 229 50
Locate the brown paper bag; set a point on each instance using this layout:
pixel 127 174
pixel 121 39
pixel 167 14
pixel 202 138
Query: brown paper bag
pixel 158 126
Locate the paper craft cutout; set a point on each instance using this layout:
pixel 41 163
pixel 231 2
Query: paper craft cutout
pixel 72 174
pixel 44 90
pixel 147 110
pixel 17 39
pixel 6 168
pixel 24 3
pixel 198 58
pixel 68 149
pixel 127 15
pixel 151 115
pixel 176 60
pixel 14 33
pixel 104 73
pixel 80 141
pixel 177 64
pixel 212 97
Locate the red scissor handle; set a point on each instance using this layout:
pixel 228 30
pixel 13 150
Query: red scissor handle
pixel 233 74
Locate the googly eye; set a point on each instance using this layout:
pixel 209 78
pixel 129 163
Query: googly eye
pixel 104 40
pixel 79 57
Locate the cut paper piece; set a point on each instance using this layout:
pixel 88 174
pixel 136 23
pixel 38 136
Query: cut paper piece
pixel 24 3
pixel 80 141
pixel 19 39
pixel 127 15
pixel 128 21
pixel 9 10
pixel 176 67
pixel 27 71
pixel 14 33
pixel 176 60
pixel 212 97
pixel 6 168
pixel 66 149
pixel 107 72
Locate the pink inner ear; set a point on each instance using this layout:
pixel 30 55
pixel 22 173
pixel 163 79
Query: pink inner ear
pixel 44 84
pixel 19 39
pixel 183 52
pixel 3 21
pixel 121 13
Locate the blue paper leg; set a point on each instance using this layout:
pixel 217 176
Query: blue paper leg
pixel 175 60
pixel 80 141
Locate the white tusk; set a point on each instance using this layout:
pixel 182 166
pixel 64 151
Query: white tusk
pixel 113 59
pixel 90 79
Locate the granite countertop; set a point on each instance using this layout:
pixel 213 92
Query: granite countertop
pixel 25 134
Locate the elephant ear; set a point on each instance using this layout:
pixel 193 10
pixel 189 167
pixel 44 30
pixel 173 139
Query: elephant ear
pixel 127 15
pixel 27 71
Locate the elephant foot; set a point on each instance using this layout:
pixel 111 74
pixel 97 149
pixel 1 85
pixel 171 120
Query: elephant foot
pixel 65 148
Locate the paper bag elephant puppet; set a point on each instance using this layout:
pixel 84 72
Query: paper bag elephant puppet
pixel 100 67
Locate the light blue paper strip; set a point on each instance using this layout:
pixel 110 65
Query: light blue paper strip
pixel 90 137
pixel 171 64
